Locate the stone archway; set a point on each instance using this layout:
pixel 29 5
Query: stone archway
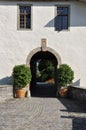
pixel 34 51
pixel 31 61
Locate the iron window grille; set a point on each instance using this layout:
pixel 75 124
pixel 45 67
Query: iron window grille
pixel 24 17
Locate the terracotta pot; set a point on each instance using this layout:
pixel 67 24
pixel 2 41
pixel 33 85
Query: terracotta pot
pixel 20 93
pixel 63 92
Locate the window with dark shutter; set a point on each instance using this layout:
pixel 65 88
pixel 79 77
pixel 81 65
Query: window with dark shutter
pixel 62 18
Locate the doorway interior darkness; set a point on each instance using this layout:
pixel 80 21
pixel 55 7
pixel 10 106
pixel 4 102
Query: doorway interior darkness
pixel 43 68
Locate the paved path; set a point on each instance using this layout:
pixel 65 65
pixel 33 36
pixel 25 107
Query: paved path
pixel 42 114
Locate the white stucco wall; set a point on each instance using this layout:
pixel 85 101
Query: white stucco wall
pixel 15 45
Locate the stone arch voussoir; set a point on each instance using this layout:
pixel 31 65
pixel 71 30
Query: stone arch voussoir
pixel 34 51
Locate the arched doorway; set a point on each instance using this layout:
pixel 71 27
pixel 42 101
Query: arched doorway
pixel 43 66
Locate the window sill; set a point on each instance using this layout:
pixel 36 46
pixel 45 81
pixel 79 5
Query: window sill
pixel 24 29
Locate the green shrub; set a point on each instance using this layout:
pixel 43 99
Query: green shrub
pixel 65 75
pixel 21 75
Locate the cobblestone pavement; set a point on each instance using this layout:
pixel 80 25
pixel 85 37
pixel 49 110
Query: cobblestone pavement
pixel 42 114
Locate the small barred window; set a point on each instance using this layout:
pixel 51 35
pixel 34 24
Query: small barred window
pixel 24 17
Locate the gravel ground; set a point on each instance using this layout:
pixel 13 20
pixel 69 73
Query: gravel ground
pixel 42 114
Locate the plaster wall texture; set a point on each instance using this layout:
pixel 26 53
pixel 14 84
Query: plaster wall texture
pixel 15 45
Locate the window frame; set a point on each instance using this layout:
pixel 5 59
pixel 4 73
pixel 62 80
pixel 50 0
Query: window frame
pixel 68 6
pixel 18 17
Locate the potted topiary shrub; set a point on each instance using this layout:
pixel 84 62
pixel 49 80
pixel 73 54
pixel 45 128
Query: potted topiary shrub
pixel 21 79
pixel 65 76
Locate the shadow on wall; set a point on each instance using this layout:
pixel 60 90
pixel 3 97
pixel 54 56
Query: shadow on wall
pixel 77 83
pixel 6 81
pixel 79 23
pixel 51 23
